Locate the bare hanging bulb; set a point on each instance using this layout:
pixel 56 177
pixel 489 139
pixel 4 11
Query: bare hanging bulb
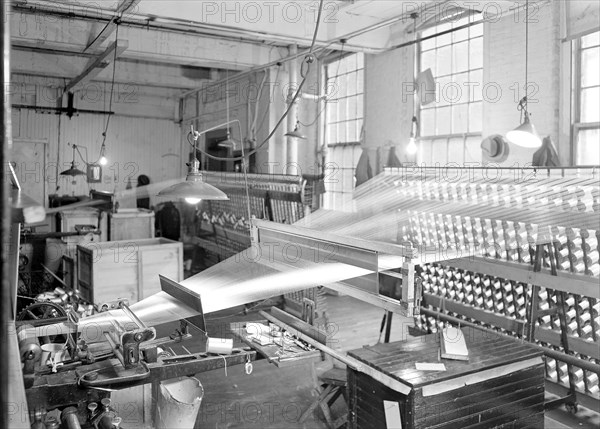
pixel 412 148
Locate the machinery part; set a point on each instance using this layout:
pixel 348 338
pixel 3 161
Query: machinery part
pixel 92 407
pixel 52 423
pixel 30 352
pixel 38 416
pixel 111 305
pixel 29 346
pixel 69 418
pixel 137 376
pixel 104 417
pixel 42 310
pixel 125 339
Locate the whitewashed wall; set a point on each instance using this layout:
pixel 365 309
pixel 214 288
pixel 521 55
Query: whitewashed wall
pixel 142 137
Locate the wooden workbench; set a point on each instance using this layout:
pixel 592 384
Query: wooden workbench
pixel 502 384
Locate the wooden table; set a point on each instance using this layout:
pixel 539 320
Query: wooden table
pixel 502 384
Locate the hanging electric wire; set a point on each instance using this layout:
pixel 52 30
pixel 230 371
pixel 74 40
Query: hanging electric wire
pixel 307 61
pixel 337 75
pixel 110 100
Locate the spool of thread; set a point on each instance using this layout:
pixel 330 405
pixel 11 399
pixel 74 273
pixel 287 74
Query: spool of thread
pixel 583 305
pixel 545 321
pixel 586 331
pixel 510 310
pixel 572 328
pixel 219 346
pixel 551 370
pixel 593 270
pixel 592 378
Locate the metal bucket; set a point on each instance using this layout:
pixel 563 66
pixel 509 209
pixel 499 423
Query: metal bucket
pixel 178 403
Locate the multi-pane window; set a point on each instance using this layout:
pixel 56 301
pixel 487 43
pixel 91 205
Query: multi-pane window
pixel 456 63
pixel 343 126
pixel 587 100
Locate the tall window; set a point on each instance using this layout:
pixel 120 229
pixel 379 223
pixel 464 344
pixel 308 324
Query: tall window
pixel 343 126
pixel 586 128
pixel 456 63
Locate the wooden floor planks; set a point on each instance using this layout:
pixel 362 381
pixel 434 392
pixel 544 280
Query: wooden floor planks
pixel 234 401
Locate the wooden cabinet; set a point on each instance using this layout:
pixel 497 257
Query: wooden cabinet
pixel 127 269
pixel 501 386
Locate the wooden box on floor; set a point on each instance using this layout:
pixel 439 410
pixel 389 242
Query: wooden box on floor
pixel 501 386
pixel 129 224
pixel 127 269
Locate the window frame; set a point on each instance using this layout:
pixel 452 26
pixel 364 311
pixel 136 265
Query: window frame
pixel 328 62
pixel 418 62
pixel 337 196
pixel 576 89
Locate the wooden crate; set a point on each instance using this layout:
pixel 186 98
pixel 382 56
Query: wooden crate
pixel 129 224
pixel 69 220
pixel 127 269
pixel 501 386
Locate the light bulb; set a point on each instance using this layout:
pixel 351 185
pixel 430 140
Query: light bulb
pixel 103 160
pixel 191 200
pixel 412 148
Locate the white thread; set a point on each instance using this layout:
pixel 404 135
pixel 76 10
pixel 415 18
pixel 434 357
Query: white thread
pixel 248 366
pixel 225 363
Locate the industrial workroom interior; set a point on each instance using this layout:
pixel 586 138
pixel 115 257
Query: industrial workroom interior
pixel 300 213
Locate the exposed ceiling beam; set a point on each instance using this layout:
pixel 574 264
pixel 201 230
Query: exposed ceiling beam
pixel 123 6
pixel 126 5
pixel 66 35
pixel 219 30
pixel 131 73
pixel 104 34
pixel 93 69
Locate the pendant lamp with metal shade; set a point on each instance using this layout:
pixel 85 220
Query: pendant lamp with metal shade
pixel 412 148
pixel 73 171
pixel 194 188
pixel 296 133
pixel 525 135
pixel 229 142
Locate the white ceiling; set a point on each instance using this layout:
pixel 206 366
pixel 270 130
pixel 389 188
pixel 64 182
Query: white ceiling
pixel 232 34
pixel 281 22
pixel 287 20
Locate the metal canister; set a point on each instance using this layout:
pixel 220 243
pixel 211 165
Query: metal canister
pixel 29 346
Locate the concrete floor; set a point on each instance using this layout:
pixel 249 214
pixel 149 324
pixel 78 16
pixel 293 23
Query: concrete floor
pixel 274 397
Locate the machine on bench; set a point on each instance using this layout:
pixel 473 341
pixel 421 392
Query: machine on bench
pixel 85 362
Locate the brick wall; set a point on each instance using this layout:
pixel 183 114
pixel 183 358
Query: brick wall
pixel 504 69
pixel 388 118
pixel 388 107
